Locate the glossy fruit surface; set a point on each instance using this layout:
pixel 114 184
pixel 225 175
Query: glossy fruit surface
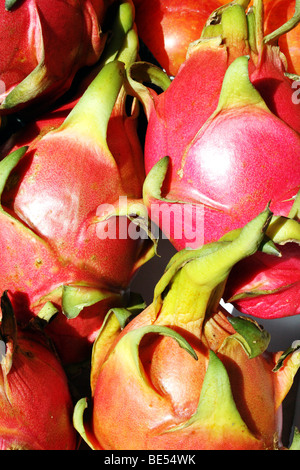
pixel 168 27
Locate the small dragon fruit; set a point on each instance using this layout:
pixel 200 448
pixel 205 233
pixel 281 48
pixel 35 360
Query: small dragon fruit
pixel 36 405
pixel 62 238
pixel 185 374
pixel 167 27
pixel 43 45
pixel 267 286
pixel 277 13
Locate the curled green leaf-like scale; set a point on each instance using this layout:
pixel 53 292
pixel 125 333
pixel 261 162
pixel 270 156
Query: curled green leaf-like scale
pixel 251 336
pixel 8 164
pixel 286 27
pixel 291 350
pixel 75 298
pixel 9 4
pixel 134 337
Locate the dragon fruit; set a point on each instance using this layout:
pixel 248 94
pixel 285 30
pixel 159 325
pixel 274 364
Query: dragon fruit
pixel 268 286
pixel 219 165
pixel 276 14
pixel 195 376
pixel 63 246
pixel 168 27
pixel 32 130
pixel 36 405
pixel 43 46
pixel 215 151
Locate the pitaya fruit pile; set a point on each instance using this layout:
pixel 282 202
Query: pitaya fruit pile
pixel 150 225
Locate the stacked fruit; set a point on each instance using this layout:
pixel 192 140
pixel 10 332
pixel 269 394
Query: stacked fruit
pixel 123 122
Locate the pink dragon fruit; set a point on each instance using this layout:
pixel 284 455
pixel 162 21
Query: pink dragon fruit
pixel 145 377
pixel 215 152
pixel 61 249
pixel 268 286
pixel 36 405
pixel 43 45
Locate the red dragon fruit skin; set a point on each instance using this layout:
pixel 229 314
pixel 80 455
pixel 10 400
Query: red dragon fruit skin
pixel 52 210
pixel 36 405
pixel 43 45
pixel 147 380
